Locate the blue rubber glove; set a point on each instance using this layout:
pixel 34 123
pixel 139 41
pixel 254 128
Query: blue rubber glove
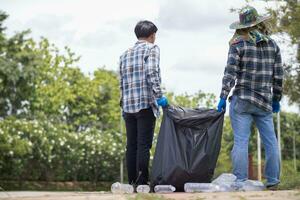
pixel 276 106
pixel 163 102
pixel 222 105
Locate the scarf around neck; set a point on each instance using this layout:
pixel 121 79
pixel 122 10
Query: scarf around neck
pixel 254 36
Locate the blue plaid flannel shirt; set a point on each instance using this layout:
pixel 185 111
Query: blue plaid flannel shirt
pixel 256 72
pixel 140 78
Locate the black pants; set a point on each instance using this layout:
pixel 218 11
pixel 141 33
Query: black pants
pixel 139 129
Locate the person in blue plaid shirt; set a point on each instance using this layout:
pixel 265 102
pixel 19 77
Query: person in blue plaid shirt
pixel 141 96
pixel 254 68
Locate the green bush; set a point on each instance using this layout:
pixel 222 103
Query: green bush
pixel 41 150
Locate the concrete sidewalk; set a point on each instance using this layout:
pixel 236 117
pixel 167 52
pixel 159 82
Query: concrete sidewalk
pixel 262 195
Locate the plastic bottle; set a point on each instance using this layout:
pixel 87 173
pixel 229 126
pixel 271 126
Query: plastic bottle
pixel 164 189
pixel 224 178
pixel 143 189
pixel 201 187
pixel 119 188
pixel 226 181
pixel 252 185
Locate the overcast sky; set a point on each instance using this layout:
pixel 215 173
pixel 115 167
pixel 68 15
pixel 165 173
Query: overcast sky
pixel 193 35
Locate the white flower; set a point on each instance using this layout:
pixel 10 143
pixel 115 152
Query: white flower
pixel 10 140
pixel 62 143
pixel 11 153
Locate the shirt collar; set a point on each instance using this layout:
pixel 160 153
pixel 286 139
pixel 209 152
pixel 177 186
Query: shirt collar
pixel 141 41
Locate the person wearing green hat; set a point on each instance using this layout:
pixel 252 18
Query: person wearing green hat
pixel 255 71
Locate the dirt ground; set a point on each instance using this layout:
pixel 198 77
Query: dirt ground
pixel 269 195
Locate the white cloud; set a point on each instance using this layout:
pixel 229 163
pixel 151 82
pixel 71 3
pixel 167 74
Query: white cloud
pixel 191 15
pixel 193 35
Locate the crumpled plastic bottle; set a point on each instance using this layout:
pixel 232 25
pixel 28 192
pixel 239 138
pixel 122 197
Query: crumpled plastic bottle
pixel 252 185
pixel 120 188
pixel 228 183
pixel 224 178
pixel 164 189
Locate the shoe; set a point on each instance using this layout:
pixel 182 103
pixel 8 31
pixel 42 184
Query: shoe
pixel 273 187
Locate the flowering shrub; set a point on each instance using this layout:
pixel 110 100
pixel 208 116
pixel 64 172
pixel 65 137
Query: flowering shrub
pixel 41 150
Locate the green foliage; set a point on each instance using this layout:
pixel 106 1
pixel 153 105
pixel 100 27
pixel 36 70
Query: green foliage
pixel 41 150
pixel 18 64
pixel 56 123
pixel 59 124
pixel 289 177
pixel 290 128
pixel 286 19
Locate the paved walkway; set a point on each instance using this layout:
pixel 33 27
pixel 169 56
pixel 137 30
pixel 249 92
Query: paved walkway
pixel 262 195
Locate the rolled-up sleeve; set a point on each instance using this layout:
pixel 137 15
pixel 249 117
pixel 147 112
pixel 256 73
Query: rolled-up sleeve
pixel 153 72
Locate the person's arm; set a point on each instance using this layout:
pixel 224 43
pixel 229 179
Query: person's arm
pixel 277 76
pixel 230 72
pixel 121 83
pixel 153 72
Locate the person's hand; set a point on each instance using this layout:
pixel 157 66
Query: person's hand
pixel 163 102
pixel 222 105
pixel 276 106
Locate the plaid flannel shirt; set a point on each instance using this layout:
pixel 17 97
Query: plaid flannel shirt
pixel 256 72
pixel 140 78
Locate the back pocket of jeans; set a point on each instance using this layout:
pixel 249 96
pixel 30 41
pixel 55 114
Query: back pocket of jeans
pixel 241 106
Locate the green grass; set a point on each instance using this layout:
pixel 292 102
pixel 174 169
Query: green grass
pixel 290 179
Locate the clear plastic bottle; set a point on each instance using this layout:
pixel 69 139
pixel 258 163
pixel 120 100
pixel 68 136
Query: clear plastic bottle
pixel 143 189
pixel 252 185
pixel 224 178
pixel 120 188
pixel 201 187
pixel 226 181
pixel 164 189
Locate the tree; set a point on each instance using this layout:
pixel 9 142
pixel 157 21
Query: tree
pixel 18 64
pixel 286 19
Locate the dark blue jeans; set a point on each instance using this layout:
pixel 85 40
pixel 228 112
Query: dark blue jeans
pixel 242 114
pixel 139 129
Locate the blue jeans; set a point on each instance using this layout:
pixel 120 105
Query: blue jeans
pixel 242 114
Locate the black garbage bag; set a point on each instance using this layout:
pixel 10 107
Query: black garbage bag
pixel 188 146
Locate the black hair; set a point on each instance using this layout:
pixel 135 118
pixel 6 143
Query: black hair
pixel 144 29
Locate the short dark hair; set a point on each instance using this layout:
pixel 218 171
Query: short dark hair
pixel 144 29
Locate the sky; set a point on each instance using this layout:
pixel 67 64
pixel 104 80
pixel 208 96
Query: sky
pixel 193 35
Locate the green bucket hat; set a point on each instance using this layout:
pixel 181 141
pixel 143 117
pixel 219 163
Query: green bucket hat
pixel 248 18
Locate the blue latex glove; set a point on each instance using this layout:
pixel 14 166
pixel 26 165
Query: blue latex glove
pixel 276 106
pixel 222 105
pixel 163 102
